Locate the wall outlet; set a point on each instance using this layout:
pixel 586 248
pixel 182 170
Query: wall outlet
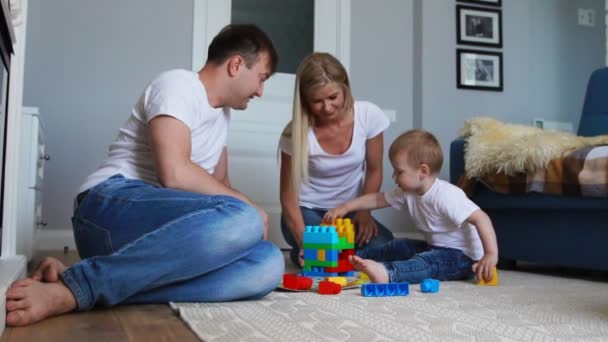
pixel 586 17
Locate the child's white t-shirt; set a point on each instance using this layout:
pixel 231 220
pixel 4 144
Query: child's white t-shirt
pixel 334 179
pixel 440 214
pixel 177 93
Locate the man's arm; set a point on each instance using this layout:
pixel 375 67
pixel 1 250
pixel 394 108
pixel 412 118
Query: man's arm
pixel 170 143
pixel 221 170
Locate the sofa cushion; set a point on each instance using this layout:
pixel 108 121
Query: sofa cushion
pixel 486 198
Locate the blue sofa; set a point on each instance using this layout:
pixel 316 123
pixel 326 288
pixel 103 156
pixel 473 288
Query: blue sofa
pixel 555 230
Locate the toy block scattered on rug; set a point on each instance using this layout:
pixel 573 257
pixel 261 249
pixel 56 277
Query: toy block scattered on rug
pixel 327 248
pixel 296 282
pixel 429 285
pixel 492 282
pixel 328 287
pixel 385 289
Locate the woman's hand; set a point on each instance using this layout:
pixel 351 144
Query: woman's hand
pixel 333 214
pixel 366 227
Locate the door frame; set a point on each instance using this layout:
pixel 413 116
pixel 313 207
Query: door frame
pixel 331 29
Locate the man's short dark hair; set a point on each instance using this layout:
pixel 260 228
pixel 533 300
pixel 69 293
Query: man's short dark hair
pixel 246 40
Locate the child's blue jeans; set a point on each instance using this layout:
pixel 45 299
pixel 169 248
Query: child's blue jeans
pixel 313 217
pixel 146 244
pixel 412 261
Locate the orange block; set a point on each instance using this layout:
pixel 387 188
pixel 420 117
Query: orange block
pixel 492 282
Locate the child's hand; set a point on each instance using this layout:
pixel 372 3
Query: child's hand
pixel 483 268
pixel 332 214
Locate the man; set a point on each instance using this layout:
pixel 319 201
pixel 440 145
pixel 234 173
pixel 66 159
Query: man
pixel 159 220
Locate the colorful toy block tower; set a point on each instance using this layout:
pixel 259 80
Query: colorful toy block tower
pixel 327 247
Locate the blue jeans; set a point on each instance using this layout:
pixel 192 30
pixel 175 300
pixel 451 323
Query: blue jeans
pixel 146 244
pixel 313 217
pixel 412 261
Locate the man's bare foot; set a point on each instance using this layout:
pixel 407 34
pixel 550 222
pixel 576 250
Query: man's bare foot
pixel 374 270
pixel 49 270
pixel 29 301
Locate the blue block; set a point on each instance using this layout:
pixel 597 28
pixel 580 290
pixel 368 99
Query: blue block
pixel 310 254
pixel 429 285
pixel 321 235
pixel 385 290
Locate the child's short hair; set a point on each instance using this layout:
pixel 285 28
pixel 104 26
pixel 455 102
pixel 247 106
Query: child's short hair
pixel 422 148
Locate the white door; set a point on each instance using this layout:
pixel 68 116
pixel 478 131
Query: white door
pixel 254 133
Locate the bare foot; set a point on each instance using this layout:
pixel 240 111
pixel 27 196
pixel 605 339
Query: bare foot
pixel 49 270
pixel 29 301
pixel 374 270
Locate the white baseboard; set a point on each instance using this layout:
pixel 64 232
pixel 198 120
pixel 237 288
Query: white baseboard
pixel 11 269
pixel 54 239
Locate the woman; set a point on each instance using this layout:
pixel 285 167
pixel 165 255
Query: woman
pixel 331 151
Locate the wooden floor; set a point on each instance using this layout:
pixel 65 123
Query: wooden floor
pixel 153 322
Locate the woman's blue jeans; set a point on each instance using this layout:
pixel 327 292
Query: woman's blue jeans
pixel 313 217
pixel 412 261
pixel 146 244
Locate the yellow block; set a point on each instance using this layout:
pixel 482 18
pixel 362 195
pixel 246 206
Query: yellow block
pixel 492 282
pixel 338 280
pixel 321 255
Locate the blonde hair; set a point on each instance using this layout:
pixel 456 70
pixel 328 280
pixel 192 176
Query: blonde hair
pixel 422 148
pixel 316 70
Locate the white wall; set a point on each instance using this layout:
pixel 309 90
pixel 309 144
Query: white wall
pixel 87 62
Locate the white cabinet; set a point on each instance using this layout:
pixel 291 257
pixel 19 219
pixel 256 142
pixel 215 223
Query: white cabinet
pixel 32 158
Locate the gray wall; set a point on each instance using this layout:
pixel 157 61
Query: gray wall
pixel 87 61
pixel 86 64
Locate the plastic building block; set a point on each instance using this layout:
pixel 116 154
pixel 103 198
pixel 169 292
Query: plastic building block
pixel 429 285
pixel 385 289
pixel 492 282
pixel 338 280
pixel 328 287
pixel 296 282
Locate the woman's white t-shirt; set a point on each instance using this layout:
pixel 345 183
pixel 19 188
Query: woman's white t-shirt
pixel 440 215
pixel 334 179
pixel 177 93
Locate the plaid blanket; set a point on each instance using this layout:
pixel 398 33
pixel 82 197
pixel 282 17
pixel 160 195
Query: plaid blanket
pixel 583 172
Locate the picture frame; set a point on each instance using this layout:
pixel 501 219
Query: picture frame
pixel 478 26
pixel 479 70
pixel 495 3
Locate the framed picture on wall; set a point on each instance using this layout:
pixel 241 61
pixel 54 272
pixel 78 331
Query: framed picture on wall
pixel 477 69
pixel 478 26
pixel 496 3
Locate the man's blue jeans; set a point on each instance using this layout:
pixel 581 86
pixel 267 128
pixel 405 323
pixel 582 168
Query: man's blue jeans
pixel 313 217
pixel 413 260
pixel 146 244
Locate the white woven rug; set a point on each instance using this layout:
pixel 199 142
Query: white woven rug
pixel 525 307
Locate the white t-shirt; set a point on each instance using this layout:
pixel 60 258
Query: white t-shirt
pixel 440 215
pixel 334 179
pixel 180 94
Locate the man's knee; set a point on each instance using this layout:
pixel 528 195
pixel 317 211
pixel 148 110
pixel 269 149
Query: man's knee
pixel 270 267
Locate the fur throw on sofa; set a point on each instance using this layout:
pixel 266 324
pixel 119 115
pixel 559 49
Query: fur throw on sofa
pixel 494 146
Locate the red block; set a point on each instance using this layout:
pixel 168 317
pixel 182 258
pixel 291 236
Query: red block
pixel 328 287
pixel 296 282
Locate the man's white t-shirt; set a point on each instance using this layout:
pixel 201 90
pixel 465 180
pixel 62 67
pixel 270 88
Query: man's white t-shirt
pixel 177 93
pixel 440 214
pixel 334 179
